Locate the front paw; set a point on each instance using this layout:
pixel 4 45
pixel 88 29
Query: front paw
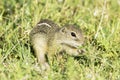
pixel 42 68
pixel 45 66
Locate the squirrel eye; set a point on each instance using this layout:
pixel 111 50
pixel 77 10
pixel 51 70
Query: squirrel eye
pixel 73 34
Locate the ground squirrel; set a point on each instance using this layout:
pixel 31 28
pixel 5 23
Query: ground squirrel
pixel 47 38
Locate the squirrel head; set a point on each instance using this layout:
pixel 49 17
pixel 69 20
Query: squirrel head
pixel 70 37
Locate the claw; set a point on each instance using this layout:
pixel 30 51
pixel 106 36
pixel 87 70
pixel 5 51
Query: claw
pixel 81 51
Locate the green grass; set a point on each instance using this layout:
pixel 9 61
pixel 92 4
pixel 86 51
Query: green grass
pixel 98 19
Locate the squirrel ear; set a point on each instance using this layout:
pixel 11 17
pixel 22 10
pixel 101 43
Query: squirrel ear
pixel 63 30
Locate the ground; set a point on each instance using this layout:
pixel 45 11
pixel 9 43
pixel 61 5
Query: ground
pixel 98 19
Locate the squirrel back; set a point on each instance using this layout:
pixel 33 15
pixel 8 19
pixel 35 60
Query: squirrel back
pixel 44 26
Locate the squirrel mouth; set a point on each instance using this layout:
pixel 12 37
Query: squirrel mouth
pixel 81 51
pixel 72 46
